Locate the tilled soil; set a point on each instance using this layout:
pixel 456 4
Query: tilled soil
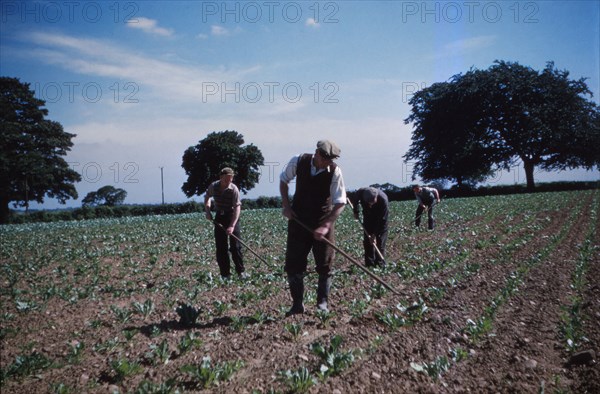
pixel 509 277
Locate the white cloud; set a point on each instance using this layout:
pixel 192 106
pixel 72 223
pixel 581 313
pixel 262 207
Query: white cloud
pixel 219 31
pixel 90 57
pixel 149 26
pixel 463 47
pixel 470 44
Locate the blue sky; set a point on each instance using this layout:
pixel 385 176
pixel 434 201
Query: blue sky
pixel 140 81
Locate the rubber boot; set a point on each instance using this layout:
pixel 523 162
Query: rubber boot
pixel 296 283
pixel 323 287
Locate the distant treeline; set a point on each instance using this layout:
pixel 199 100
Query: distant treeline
pixel 393 192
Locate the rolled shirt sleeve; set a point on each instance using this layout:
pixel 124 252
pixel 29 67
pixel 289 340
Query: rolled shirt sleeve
pixel 289 172
pixel 337 188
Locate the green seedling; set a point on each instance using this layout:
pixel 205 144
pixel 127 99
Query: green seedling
pixel 333 359
pixel 188 342
pixel 123 368
pixel 75 352
pixel 122 315
pixel 298 381
pixel 168 387
pixel 207 375
pixel 159 354
pixel 295 329
pixel 145 309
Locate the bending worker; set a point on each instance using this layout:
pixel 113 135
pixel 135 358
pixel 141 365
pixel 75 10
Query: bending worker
pixel 319 199
pixel 426 196
pixel 374 204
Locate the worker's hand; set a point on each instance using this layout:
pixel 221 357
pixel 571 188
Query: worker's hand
pixel 229 230
pixel 288 213
pixel 208 215
pixel 321 231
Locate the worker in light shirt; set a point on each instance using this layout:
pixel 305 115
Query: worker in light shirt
pixel 319 199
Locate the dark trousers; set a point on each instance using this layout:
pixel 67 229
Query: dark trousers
pixel 372 258
pixel 419 213
pixel 299 244
pixel 235 247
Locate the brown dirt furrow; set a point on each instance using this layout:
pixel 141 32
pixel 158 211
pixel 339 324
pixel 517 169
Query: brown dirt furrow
pixel 441 329
pixel 523 353
pixel 586 378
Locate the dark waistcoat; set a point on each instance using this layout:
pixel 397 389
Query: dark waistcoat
pixel 312 199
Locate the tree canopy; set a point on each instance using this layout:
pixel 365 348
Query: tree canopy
pixel 203 162
pixel 32 150
pixel 466 128
pixel 106 195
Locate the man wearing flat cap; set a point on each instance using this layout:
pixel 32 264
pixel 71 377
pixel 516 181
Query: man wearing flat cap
pixel 374 204
pixel 226 198
pixel 319 199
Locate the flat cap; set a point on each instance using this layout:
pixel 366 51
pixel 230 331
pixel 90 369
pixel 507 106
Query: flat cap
pixel 227 171
pixel 328 149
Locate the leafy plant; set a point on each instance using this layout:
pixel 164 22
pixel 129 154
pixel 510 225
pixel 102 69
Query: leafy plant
pixel 28 365
pixel 378 291
pixel 324 316
pixel 146 387
pixel 123 368
pixel 333 360
pixel 159 353
pixel 458 354
pixel 122 315
pixel 145 308
pixel 295 329
pixel 298 381
pixel 108 346
pixel 188 342
pixel 434 369
pixel 391 319
pixel 359 306
pixel 75 352
pixel 220 307
pixel 129 334
pixel 207 375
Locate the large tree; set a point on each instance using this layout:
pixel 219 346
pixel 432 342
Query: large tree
pixel 449 135
pixel 32 150
pixel 203 162
pixel 107 195
pixel 543 118
pixel 489 119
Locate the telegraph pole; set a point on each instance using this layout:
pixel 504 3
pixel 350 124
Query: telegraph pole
pixel 162 185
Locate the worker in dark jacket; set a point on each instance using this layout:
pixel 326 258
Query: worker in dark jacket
pixel 374 204
pixel 319 199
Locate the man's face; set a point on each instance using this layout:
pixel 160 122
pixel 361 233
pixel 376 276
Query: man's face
pixel 321 161
pixel 226 180
pixel 416 189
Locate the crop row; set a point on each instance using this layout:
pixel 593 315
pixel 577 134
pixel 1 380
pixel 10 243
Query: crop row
pixel 152 276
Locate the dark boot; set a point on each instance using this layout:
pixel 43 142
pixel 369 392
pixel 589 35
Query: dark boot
pixel 323 288
pixel 296 283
